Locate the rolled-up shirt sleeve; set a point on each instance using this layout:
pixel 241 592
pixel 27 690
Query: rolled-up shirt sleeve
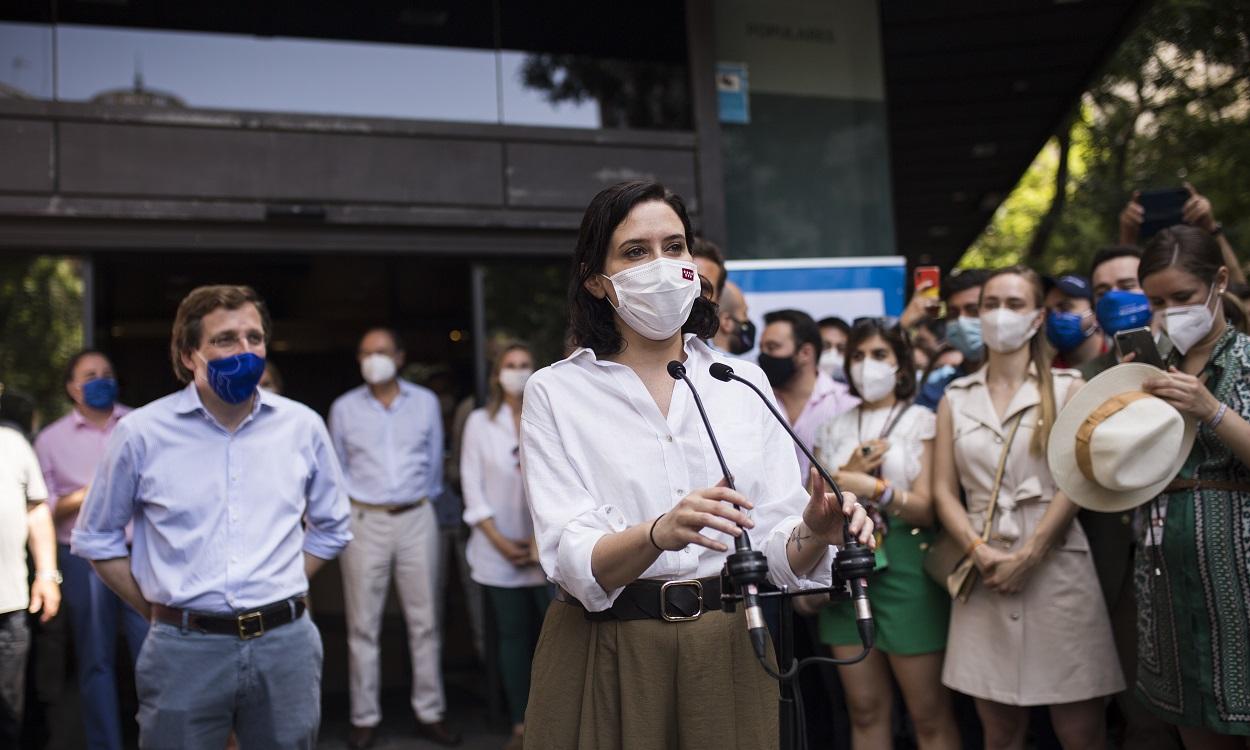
pixel 780 515
pixel 328 514
pixel 100 533
pixel 568 521
pixel 472 475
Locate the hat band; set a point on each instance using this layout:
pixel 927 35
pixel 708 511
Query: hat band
pixel 1096 417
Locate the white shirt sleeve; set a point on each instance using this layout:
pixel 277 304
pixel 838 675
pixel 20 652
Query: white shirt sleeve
pixel 568 521
pixel 473 447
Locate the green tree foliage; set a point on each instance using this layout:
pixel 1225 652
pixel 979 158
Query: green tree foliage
pixel 40 328
pixel 1171 106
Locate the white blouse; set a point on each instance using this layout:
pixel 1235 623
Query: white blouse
pixel 838 438
pixel 490 478
pixel 599 457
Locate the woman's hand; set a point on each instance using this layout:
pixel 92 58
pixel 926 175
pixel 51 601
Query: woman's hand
pixel 825 519
pixel 867 462
pixel 1131 220
pixel 1188 394
pixel 1009 575
pixel 860 485
pixel 518 553
pixel 708 508
pixel 987 558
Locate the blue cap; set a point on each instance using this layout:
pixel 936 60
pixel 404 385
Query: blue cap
pixel 1071 285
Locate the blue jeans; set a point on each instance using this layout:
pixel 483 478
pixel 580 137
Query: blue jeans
pixel 95 613
pixel 195 687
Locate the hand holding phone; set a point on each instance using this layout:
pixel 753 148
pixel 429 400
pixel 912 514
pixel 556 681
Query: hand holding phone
pixel 1140 343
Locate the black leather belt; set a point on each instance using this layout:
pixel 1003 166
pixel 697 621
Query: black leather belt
pixel 672 601
pixel 393 510
pixel 246 625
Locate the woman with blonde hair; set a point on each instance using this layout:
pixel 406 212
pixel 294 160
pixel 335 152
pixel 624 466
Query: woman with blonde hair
pixel 500 551
pixel 1034 630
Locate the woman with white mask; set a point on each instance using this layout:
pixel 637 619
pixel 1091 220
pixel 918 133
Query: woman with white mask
pixel 1193 563
pixel 500 551
pixel 883 448
pixel 1033 631
pixel 626 495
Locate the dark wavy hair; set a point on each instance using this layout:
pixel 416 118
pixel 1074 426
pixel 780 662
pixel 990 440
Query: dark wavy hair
pixel 592 322
pixel 899 343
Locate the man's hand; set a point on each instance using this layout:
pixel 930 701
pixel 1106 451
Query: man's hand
pixel 45 597
pixel 1197 211
pixel 1131 219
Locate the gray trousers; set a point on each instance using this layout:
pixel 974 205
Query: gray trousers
pixel 195 687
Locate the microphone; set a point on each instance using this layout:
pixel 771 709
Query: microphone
pixel 853 562
pixel 747 567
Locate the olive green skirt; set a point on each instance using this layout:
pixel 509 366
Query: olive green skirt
pixel 648 684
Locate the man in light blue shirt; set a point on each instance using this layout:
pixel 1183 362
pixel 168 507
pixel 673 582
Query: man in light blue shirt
pixel 237 499
pixel 389 437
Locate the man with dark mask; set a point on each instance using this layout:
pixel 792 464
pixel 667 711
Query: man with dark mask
pixel 789 353
pixel 736 334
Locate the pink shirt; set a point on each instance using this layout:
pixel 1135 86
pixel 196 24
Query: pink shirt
pixel 829 399
pixel 69 450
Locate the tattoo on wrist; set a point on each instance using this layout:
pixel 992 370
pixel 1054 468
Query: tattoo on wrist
pixel 797 538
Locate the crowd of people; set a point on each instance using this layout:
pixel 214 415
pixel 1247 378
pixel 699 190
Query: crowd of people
pixel 1096 510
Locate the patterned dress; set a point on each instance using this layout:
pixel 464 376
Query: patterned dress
pixel 1193 587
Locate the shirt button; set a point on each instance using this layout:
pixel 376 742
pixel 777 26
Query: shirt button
pixel 998 439
pixel 924 546
pixel 1015 615
pixel 679 493
pixel 915 531
pixel 234 560
pixel 669 438
pixel 1126 519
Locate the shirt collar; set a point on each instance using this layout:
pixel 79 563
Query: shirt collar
pixel 189 402
pixel 824 388
pixel 80 421
pixel 692 346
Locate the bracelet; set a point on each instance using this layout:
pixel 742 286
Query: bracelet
pixel 1214 421
pixel 972 547
pixel 50 575
pixel 878 490
pixel 651 533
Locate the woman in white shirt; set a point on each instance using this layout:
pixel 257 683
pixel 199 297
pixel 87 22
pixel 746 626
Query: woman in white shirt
pixel 884 451
pixel 500 552
pixel 623 488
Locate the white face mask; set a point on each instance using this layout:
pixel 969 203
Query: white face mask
pixel 655 298
pixel 833 364
pixel 1186 325
pixel 512 380
pixel 874 379
pixel 1006 330
pixel 377 369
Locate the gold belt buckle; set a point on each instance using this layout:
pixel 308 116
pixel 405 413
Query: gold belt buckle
pixel 695 584
pixel 244 632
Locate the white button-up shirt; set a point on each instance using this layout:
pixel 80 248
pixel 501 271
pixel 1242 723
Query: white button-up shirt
pixel 490 480
pixel 599 457
pixel 391 455
pixel 220 517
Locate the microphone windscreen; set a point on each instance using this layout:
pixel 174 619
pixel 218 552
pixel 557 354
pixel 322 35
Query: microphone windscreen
pixel 720 371
pixel 676 370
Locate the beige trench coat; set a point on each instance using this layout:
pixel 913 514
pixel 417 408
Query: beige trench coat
pixel 1050 643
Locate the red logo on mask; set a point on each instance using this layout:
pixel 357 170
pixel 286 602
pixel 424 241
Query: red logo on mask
pixel 687 274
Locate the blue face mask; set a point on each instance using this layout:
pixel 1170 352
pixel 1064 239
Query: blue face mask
pixel 234 378
pixel 965 335
pixel 1064 330
pixel 1119 310
pixel 100 393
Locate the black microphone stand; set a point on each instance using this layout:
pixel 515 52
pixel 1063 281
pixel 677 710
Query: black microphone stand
pixel 746 569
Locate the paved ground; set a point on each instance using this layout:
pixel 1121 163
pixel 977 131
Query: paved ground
pixel 467 714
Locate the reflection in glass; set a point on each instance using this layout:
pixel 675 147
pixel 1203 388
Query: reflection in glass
pixel 527 105
pixel 231 71
pixel 25 61
pixel 627 93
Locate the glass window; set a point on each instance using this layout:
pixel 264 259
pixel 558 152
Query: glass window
pixel 234 71
pixel 25 61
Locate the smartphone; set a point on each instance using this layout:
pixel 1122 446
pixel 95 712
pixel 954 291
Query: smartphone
pixel 926 281
pixel 1141 342
pixel 1162 209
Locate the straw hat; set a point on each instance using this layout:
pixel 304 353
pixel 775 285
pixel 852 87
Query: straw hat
pixel 1114 446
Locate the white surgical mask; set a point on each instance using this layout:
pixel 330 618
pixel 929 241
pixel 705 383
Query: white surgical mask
pixel 833 364
pixel 655 298
pixel 1186 325
pixel 512 380
pixel 874 379
pixel 377 368
pixel 1006 330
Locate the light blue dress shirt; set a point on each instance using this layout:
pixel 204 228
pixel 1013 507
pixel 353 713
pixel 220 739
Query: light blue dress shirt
pixel 390 455
pixel 219 518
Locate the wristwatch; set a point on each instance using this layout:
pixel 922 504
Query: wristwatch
pixel 1217 230
pixel 50 575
